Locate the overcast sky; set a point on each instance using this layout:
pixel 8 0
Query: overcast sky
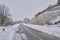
pixel 26 8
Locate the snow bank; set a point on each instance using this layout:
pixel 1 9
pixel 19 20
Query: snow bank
pixel 49 29
pixel 8 33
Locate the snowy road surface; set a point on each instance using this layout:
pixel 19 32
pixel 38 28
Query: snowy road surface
pixel 49 29
pixel 32 34
pixel 22 32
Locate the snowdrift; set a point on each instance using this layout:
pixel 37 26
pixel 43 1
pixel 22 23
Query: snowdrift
pixel 8 33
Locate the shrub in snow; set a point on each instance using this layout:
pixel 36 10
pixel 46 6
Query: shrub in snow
pixel 55 21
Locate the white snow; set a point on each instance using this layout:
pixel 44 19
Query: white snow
pixel 55 20
pixel 8 33
pixel 24 36
pixel 49 29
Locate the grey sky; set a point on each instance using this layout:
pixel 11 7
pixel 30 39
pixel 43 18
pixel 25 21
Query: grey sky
pixel 26 8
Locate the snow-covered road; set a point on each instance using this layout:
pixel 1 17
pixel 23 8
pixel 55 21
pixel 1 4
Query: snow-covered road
pixel 29 32
pixel 33 34
pixel 49 29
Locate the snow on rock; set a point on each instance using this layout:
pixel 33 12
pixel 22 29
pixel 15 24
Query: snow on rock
pixel 49 29
pixel 8 33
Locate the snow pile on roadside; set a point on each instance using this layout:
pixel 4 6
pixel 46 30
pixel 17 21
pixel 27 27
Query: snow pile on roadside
pixel 49 29
pixel 54 21
pixel 8 33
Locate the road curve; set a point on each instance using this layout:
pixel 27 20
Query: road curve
pixel 31 34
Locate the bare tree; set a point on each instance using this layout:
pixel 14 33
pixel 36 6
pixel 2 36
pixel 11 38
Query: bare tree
pixel 4 15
